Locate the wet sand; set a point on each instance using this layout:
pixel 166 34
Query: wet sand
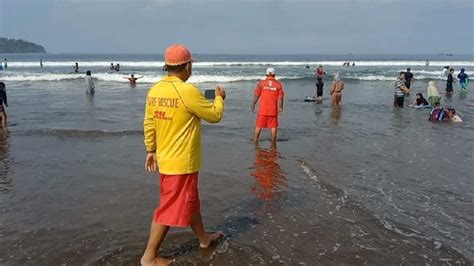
pixel 273 210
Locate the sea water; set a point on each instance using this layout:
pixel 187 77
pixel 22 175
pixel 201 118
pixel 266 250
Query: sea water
pixel 365 183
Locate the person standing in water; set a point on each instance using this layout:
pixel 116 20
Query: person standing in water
pixel 3 101
pixel 400 91
pixel 172 131
pixel 336 90
pixel 41 63
pixel 5 64
pixel 117 67
pixel 446 71
pixel 433 94
pixel 76 67
pixel 132 79
pixel 270 93
pixel 320 72
pixel 90 87
pixel 449 82
pixel 319 89
pixel 112 67
pixel 408 78
pixel 463 79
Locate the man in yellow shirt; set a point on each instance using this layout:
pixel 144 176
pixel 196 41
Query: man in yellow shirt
pixel 172 129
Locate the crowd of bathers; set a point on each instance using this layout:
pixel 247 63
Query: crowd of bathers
pixel 438 112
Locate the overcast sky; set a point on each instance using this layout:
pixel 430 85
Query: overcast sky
pixel 243 27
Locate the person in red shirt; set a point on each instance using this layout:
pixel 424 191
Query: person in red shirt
pixel 270 92
pixel 320 72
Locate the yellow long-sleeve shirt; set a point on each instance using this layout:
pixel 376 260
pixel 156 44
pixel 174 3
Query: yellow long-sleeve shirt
pixel 172 124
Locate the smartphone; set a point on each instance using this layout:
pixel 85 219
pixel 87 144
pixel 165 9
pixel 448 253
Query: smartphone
pixel 210 94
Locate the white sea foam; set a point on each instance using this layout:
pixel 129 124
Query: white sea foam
pixel 152 78
pixel 159 64
pixel 115 77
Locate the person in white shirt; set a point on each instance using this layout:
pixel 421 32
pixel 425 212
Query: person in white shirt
pixel 90 88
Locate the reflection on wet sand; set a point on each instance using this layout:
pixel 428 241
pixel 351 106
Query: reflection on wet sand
pixel 270 179
pixel 336 114
pixel 5 182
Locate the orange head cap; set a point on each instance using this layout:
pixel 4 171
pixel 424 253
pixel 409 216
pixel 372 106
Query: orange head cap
pixel 177 54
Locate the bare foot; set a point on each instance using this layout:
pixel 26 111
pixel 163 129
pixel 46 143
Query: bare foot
pixel 157 262
pixel 211 238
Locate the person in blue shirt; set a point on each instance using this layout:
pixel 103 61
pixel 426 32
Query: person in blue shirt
pixel 463 79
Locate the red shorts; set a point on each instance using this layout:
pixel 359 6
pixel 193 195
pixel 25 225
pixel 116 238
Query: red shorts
pixel 267 121
pixel 179 199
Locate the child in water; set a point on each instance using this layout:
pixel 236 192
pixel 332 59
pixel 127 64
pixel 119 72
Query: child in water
pixel 420 100
pixel 449 82
pixel 319 89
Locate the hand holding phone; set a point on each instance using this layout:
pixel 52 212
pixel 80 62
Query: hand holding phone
pixel 220 92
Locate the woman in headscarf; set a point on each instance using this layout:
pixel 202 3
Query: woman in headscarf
pixel 433 94
pixel 336 90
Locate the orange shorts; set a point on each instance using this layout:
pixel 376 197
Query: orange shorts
pixel 179 199
pixel 267 121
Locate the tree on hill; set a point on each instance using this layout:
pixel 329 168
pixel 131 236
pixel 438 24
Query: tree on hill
pixel 19 46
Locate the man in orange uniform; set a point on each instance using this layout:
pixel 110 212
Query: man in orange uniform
pixel 271 93
pixel 172 129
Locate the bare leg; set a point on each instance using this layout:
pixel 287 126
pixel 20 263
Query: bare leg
pixel 157 234
pixel 274 136
pixel 205 239
pixel 256 135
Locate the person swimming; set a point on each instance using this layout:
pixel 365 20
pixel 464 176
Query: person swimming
pixel 441 114
pixel 420 100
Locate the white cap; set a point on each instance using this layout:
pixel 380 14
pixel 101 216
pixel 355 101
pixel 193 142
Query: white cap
pixel 270 71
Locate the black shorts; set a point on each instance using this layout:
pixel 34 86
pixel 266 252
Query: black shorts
pixel 319 93
pixel 398 101
pixel 408 84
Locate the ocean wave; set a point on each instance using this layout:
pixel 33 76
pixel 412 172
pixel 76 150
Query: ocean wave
pixel 198 79
pixel 159 64
pixel 372 77
pixel 114 77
